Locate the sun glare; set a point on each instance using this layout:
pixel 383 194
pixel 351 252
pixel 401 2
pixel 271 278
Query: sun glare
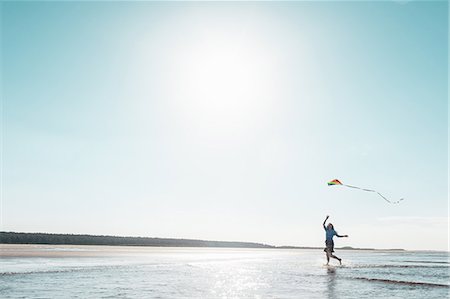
pixel 225 81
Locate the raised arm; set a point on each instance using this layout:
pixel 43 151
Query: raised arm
pixel 325 222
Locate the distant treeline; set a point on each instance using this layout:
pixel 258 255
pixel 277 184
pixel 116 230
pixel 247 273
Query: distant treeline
pixel 70 239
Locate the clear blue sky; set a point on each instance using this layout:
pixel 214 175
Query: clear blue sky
pixel 224 121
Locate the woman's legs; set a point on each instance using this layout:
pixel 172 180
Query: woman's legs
pixel 335 257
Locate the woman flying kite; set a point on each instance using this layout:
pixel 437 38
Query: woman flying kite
pixel 329 234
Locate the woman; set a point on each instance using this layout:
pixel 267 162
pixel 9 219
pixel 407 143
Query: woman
pixel 330 233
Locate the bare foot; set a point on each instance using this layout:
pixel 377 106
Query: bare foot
pixel 340 261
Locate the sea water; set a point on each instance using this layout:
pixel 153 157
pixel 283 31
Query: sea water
pixel 40 271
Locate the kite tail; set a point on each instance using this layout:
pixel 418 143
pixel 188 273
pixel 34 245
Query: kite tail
pixel 384 197
pixel 392 202
pixel 369 190
pixel 351 186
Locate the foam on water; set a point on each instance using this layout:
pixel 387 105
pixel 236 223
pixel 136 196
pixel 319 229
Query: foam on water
pixel 411 283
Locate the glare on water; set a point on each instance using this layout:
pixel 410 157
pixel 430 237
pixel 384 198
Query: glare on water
pixel 137 272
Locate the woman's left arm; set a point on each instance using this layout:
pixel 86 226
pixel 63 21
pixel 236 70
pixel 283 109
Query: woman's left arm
pixel 341 236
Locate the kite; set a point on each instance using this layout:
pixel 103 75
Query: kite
pixel 337 182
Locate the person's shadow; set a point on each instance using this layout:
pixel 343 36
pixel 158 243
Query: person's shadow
pixel 331 283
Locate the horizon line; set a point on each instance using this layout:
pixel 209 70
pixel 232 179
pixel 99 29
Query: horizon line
pixel 262 245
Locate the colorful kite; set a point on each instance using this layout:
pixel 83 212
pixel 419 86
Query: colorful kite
pixel 337 182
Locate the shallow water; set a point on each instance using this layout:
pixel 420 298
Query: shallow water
pixel 30 271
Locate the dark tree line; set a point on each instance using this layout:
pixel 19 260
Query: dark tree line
pixel 71 239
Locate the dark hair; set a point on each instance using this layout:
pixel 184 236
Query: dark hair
pixel 332 227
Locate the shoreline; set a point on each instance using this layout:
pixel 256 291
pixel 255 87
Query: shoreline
pixel 79 251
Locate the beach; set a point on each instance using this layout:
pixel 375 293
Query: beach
pixel 71 271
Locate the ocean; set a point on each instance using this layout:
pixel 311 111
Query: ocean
pixel 47 271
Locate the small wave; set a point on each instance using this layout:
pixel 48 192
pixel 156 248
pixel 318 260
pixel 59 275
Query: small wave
pixel 401 282
pixel 38 272
pixel 68 249
pixel 77 269
pixel 66 270
pixel 397 266
pixel 427 262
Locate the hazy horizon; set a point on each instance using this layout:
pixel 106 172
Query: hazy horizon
pixel 270 246
pixel 225 120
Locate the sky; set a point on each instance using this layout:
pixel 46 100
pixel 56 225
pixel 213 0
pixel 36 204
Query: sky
pixel 225 120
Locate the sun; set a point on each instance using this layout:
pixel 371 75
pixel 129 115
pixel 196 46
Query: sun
pixel 224 81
